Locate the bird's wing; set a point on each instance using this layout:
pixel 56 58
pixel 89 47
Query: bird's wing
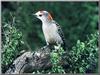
pixel 60 32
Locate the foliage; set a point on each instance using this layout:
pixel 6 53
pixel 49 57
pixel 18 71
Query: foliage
pixel 12 43
pixel 84 56
pixel 56 58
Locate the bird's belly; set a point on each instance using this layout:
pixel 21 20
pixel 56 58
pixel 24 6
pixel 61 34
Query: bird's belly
pixel 50 38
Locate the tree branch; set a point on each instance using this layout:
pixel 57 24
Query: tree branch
pixel 32 61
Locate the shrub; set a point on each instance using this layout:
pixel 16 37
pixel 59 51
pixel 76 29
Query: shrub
pixel 84 56
pixel 11 44
pixel 56 58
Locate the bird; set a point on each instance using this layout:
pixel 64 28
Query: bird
pixel 51 29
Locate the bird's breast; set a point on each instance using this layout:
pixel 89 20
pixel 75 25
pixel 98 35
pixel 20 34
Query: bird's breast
pixel 50 33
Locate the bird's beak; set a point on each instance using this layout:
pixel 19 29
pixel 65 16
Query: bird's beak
pixel 34 15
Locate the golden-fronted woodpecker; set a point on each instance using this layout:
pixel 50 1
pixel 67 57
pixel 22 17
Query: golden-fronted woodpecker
pixel 51 29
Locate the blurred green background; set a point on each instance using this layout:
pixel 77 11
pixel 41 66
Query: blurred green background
pixel 77 20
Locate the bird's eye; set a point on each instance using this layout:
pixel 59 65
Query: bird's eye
pixel 40 15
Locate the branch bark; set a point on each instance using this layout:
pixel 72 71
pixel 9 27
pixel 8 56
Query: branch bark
pixel 32 61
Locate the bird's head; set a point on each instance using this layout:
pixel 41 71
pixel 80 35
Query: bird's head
pixel 43 15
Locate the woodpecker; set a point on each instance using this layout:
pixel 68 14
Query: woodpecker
pixel 51 29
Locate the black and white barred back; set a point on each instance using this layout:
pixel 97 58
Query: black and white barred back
pixel 60 32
